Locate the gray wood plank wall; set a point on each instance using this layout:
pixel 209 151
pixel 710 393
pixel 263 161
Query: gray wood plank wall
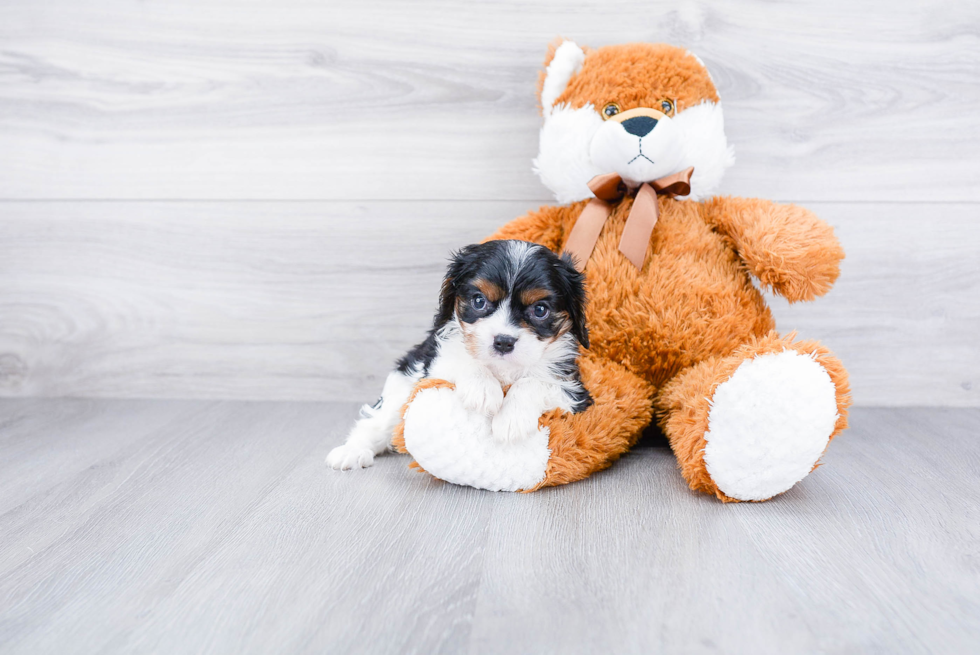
pixel 255 200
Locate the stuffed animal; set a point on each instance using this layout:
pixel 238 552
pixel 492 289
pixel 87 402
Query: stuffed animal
pixel 633 147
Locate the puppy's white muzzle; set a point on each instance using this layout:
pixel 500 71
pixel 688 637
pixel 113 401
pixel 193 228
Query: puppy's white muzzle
pixel 507 365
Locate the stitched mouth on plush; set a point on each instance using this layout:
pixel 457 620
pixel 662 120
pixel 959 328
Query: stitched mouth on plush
pixel 638 153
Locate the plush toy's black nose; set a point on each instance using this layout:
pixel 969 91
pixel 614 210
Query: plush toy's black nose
pixel 639 125
pixel 504 343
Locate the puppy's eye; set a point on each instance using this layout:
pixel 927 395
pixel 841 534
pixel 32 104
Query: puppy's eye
pixel 667 107
pixel 540 310
pixel 479 302
pixel 610 110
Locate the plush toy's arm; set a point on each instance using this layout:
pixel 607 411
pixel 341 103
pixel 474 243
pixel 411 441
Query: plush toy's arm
pixel 545 226
pixel 788 248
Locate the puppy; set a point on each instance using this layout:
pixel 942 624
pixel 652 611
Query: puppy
pixel 511 313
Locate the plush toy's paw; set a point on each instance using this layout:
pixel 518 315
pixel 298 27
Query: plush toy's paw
pixel 480 394
pixel 454 444
pixel 768 424
pixel 515 421
pixel 350 456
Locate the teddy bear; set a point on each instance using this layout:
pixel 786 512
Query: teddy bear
pixel 633 147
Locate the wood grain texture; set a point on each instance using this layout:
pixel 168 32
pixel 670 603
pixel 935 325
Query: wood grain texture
pixel 829 100
pixel 167 526
pixel 313 301
pixel 409 128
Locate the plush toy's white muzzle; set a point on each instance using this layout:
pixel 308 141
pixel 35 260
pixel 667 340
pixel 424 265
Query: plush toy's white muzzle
pixel 456 445
pixel 642 146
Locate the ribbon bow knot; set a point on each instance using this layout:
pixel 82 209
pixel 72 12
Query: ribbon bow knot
pixel 639 224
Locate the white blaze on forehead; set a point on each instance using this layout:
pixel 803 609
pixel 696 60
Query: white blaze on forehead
pixel 517 253
pixel 567 62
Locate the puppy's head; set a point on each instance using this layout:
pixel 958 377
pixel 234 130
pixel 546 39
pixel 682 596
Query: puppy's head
pixel 640 110
pixel 516 303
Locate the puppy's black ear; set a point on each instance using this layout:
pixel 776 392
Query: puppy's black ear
pixel 574 288
pixel 462 266
pixel 447 303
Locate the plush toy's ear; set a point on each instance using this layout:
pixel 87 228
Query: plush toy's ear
pixel 563 61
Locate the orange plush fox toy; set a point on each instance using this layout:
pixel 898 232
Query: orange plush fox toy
pixel 678 332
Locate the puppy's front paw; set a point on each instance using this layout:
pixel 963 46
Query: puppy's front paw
pixel 349 456
pixel 514 423
pixel 482 395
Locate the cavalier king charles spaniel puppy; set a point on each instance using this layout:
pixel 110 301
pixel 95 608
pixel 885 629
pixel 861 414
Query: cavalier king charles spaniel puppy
pixel 511 314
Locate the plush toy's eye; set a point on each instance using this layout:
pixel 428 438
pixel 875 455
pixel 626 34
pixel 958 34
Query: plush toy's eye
pixel 667 107
pixel 541 310
pixel 610 110
pixel 479 302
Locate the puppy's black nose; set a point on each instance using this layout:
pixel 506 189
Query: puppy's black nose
pixel 639 125
pixel 504 343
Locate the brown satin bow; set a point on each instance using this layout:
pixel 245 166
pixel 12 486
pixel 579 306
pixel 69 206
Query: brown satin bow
pixel 639 225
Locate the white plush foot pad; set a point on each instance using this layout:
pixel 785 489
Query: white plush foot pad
pixel 768 425
pixel 457 446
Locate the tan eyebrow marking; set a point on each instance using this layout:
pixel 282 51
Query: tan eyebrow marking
pixel 531 296
pixel 493 292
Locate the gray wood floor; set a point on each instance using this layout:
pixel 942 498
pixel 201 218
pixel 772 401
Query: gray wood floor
pixel 193 526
